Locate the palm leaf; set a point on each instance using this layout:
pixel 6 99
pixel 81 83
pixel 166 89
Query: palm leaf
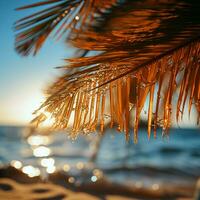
pixel 61 17
pixel 147 51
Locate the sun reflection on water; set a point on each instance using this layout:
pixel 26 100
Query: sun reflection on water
pixel 98 173
pixel 41 151
pixel 49 164
pixel 36 140
pixel 71 179
pixel 66 167
pixel 31 171
pixel 46 162
pixel 51 169
pixel 16 164
pixel 93 178
pixel 80 165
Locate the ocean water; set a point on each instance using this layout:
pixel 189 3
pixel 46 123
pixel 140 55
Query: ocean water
pixel 175 159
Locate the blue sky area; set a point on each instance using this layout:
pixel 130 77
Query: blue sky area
pixel 22 79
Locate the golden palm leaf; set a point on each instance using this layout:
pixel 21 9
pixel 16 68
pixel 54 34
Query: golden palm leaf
pixel 144 50
pixel 60 17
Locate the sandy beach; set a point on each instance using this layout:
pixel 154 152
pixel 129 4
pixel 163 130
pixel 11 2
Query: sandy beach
pixel 16 185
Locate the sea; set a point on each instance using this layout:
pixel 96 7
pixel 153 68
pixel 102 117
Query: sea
pixel 173 160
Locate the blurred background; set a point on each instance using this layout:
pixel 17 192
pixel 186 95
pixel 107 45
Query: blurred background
pixel 149 164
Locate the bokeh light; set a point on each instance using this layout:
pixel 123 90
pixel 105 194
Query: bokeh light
pixel 36 140
pixel 41 151
pixel 16 164
pixel 31 171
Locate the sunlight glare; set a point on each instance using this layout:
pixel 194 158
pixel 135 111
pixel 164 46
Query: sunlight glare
pixel 71 179
pixel 46 162
pixel 51 169
pixel 41 151
pixel 31 171
pixel 16 164
pixel 93 178
pixel 49 121
pixel 36 140
pixel 80 165
pixel 66 167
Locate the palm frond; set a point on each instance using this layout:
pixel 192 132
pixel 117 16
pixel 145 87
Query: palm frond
pixel 61 17
pixel 147 51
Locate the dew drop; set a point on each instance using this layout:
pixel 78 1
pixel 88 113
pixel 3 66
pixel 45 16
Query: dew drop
pixel 77 18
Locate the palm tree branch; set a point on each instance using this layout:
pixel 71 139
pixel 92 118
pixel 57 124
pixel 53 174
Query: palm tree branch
pixel 62 15
pixel 142 50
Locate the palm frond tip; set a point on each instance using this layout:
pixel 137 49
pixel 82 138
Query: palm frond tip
pixel 60 18
pixel 147 52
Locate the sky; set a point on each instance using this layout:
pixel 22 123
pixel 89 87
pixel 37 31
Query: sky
pixel 23 79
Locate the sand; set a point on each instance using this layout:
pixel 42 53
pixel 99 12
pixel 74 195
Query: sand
pixel 11 190
pixel 16 185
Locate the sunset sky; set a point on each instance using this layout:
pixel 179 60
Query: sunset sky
pixel 22 79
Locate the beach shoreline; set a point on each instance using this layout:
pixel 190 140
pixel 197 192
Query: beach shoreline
pixel 13 180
